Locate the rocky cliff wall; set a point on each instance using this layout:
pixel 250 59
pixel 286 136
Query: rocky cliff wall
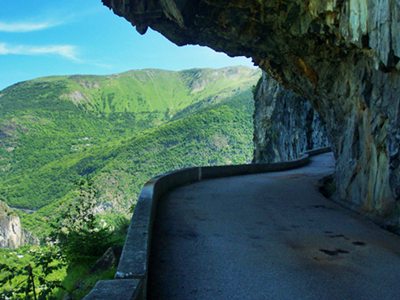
pixel 342 55
pixel 12 235
pixel 285 125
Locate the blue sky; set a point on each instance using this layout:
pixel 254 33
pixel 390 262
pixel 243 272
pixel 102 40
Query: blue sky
pixel 53 37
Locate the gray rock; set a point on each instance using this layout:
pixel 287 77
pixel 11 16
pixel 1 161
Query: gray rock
pixel 285 125
pixel 12 235
pixel 107 260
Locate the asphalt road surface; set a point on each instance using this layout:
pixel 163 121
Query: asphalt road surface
pixel 269 236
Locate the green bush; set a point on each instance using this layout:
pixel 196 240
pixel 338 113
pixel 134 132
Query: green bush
pixel 34 280
pixel 78 231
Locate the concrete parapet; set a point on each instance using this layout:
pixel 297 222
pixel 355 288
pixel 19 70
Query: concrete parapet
pixel 125 289
pixel 132 269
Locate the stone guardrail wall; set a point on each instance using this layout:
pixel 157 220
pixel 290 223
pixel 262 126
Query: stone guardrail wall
pixel 130 281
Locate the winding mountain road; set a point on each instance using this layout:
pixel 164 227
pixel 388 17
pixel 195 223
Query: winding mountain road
pixel 268 236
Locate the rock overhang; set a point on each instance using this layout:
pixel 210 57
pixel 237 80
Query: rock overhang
pixel 275 33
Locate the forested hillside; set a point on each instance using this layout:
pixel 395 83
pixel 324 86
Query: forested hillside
pixel 57 129
pixel 76 150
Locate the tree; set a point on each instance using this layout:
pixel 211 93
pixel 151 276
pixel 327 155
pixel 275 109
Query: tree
pixel 78 231
pixel 34 280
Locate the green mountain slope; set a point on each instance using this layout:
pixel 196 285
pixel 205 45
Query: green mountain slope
pixel 119 130
pixel 45 119
pixel 143 91
pixel 219 134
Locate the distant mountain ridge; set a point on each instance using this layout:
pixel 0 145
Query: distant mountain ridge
pixel 146 90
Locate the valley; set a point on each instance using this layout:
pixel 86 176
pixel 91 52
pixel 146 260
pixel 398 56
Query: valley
pixel 116 132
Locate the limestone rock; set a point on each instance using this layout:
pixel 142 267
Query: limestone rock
pixel 12 235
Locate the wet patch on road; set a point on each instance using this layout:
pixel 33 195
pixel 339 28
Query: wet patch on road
pixel 332 235
pixel 336 236
pixel 335 252
pixel 359 243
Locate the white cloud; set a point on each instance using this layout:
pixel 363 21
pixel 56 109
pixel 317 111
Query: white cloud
pixel 25 26
pixel 66 51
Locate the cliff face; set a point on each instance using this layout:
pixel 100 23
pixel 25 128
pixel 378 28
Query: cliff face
pixel 285 125
pixel 341 55
pixel 11 233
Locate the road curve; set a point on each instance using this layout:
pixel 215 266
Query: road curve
pixel 268 236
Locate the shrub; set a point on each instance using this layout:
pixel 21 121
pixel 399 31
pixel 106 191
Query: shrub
pixel 35 280
pixel 78 231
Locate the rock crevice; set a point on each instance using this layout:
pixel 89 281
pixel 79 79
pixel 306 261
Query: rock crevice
pixel 285 125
